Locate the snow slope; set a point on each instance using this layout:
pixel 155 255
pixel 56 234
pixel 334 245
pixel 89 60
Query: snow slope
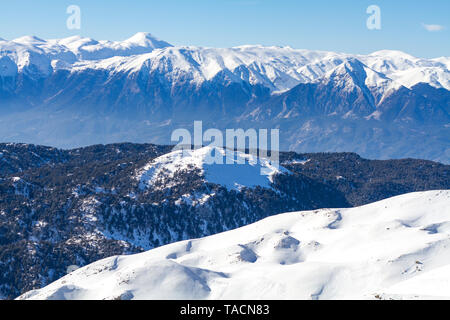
pixel 396 248
pixel 233 170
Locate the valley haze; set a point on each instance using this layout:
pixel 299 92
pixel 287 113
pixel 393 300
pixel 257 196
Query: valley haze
pixel 78 91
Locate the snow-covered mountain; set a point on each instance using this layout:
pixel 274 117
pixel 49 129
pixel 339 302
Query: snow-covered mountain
pixel 278 68
pixel 397 248
pixel 142 88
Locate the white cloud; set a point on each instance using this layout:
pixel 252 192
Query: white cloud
pixel 433 27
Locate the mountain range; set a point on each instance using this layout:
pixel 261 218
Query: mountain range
pixel 78 91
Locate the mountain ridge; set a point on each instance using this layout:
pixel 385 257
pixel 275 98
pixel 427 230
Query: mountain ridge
pixel 225 58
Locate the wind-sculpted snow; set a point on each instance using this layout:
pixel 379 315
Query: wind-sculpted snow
pixel 393 249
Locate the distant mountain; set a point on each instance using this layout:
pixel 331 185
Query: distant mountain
pixel 79 91
pixel 345 111
pixel 393 249
pixel 60 208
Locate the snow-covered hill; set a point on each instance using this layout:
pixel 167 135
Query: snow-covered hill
pixel 396 248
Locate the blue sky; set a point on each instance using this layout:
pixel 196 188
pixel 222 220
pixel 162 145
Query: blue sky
pixel 319 24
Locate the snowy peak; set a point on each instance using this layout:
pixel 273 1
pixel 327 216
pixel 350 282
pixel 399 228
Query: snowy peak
pixel 393 53
pixel 408 70
pixel 145 39
pixel 29 40
pixel 76 48
pixel 233 170
pixel 352 73
pixel 393 249
pixel 350 65
pixel 360 73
